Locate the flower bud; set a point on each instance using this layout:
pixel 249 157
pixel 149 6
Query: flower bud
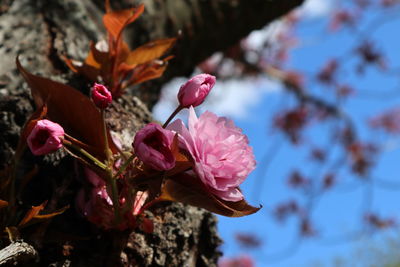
pixel 152 145
pixel 45 137
pixel 101 96
pixel 195 90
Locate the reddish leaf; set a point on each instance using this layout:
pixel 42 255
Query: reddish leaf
pixel 71 109
pixel 97 63
pixel 32 213
pixel 189 190
pixel 88 71
pixel 148 73
pixel 108 6
pixel 147 226
pixel 3 204
pixel 95 58
pixel 33 216
pixel 116 21
pixel 150 51
pixel 123 52
pixel 50 215
pixel 182 161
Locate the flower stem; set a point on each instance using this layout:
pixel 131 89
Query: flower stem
pixel 114 195
pixel 97 162
pixel 179 108
pixel 124 166
pixel 112 179
pixel 105 136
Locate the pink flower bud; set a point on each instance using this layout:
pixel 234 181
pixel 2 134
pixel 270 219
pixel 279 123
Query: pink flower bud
pixel 152 145
pixel 194 91
pixel 101 96
pixel 45 137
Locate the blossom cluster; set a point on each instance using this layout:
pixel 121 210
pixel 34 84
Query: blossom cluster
pixel 210 151
pixel 218 149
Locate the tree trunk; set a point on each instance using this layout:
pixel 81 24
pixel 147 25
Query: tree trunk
pixel 41 32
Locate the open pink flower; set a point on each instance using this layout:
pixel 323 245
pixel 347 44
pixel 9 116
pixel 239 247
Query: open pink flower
pixel 152 145
pixel 195 90
pixel 223 159
pixel 101 96
pixel 45 137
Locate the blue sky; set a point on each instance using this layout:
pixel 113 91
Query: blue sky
pixel 340 210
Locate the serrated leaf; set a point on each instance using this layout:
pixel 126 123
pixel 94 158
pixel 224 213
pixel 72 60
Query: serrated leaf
pixel 189 190
pixel 150 51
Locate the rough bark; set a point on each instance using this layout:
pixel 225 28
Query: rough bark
pixel 41 32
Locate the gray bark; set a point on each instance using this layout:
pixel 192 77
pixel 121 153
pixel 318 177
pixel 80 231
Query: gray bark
pixel 41 32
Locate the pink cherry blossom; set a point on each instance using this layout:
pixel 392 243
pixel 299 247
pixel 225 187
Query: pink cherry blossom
pixel 96 205
pixel 195 90
pixel 152 145
pixel 45 137
pixel 223 159
pixel 240 261
pixel 140 199
pixel 101 96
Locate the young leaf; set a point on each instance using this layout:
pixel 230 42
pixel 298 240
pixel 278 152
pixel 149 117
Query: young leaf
pixel 116 21
pixel 3 204
pixel 182 160
pixel 32 213
pixel 150 51
pixel 107 6
pixel 189 190
pixel 147 225
pixel 149 72
pixel 71 109
pixel 33 216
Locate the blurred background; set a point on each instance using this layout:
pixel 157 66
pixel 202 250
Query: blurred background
pixel 318 94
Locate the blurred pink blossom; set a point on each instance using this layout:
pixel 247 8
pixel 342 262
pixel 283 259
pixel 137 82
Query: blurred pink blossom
pixel 342 17
pixel 241 261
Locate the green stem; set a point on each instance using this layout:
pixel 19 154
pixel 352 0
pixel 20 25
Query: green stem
pixel 124 166
pixel 114 196
pixel 86 154
pixel 112 180
pixel 179 108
